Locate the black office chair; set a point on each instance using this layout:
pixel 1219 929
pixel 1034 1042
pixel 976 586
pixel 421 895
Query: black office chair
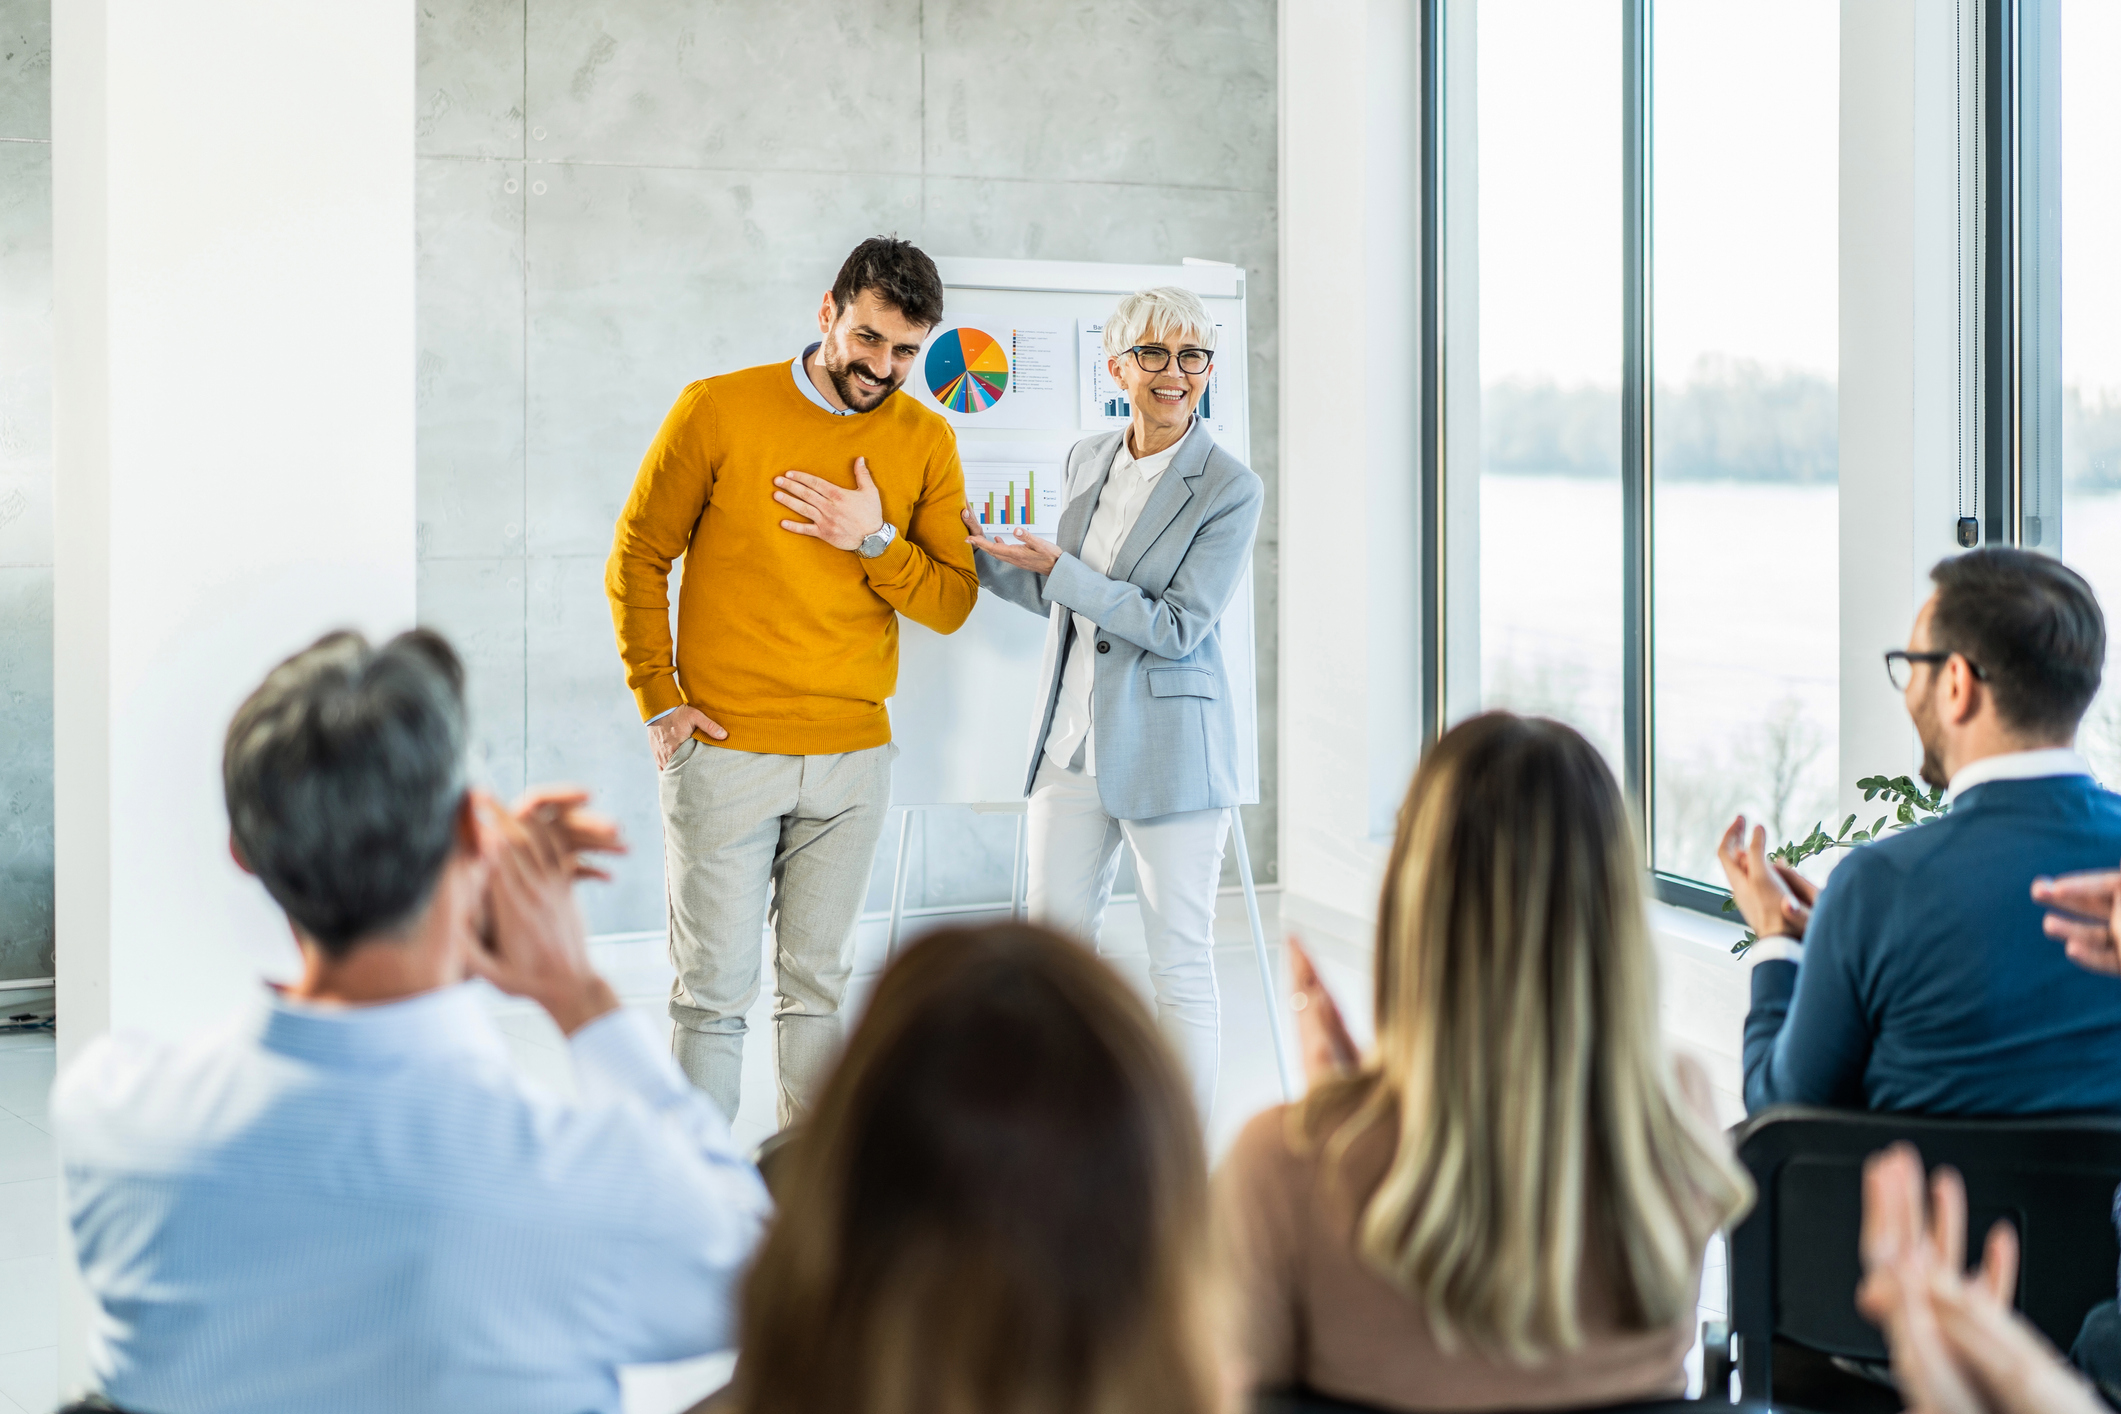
pixel 1307 1402
pixel 1794 1264
pixel 771 1157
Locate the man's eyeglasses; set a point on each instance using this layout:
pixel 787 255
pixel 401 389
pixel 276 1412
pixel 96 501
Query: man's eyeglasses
pixel 1154 358
pixel 1899 661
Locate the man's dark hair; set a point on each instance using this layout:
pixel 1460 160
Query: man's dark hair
pixel 900 274
pixel 344 773
pixel 2032 625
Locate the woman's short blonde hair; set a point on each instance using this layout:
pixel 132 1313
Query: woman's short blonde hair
pixel 1167 310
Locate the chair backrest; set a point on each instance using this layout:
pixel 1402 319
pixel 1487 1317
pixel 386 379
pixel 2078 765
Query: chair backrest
pixel 771 1157
pixel 1794 1264
pixel 1302 1401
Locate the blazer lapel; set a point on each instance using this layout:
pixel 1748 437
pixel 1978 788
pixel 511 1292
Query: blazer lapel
pixel 1075 518
pixel 1173 489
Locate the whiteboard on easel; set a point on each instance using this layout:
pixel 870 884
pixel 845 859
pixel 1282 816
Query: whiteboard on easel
pixel 1013 367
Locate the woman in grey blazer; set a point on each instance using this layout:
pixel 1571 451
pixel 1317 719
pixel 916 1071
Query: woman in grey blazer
pixel 1136 732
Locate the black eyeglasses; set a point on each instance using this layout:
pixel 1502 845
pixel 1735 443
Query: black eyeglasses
pixel 1155 358
pixel 1897 661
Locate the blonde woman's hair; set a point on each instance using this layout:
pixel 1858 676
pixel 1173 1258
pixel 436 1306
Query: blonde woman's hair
pixel 1168 310
pixel 1540 1127
pixel 997 1207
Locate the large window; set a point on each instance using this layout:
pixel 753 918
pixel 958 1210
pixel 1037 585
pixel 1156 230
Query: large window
pixel 1726 302
pixel 1745 137
pixel 1550 348
pixel 2091 335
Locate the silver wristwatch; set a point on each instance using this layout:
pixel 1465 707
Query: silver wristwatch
pixel 877 541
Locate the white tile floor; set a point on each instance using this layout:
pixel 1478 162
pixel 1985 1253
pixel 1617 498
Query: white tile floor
pixel 29 1227
pixel 28 1198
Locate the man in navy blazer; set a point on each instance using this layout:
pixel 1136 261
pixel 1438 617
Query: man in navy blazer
pixel 1919 977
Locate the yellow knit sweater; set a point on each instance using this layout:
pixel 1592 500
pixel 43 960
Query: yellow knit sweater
pixel 788 643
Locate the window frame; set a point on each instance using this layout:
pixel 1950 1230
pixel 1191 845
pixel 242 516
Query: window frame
pixel 2014 379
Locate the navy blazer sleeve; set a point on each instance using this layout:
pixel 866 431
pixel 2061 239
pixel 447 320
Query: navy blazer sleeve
pixel 1808 1036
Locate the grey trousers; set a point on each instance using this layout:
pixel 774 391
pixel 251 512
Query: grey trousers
pixel 738 826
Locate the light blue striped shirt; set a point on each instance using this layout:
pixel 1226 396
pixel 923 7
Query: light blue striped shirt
pixel 368 1208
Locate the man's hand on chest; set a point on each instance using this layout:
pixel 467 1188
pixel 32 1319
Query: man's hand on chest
pixel 840 517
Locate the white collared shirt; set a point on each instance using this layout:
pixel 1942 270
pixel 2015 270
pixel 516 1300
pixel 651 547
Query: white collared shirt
pixel 346 1209
pixel 2039 764
pixel 2018 766
pixel 1119 506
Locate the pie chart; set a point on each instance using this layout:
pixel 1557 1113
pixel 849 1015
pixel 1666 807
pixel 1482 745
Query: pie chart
pixel 967 369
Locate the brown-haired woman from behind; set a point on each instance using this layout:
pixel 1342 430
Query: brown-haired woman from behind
pixel 1505 1206
pixel 999 1205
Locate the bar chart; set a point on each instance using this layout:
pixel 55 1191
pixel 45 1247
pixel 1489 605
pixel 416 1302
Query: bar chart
pixel 1011 496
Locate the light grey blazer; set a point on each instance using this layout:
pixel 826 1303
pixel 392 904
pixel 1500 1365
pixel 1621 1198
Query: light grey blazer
pixel 1161 705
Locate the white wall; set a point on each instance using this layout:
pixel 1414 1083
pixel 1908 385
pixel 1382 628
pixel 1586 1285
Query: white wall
pixel 1902 262
pixel 233 212
pixel 233 404
pixel 1350 411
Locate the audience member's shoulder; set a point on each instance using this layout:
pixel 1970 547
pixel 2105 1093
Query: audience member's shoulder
pixel 1263 1144
pixel 1283 1146
pixel 127 1085
pixel 1900 852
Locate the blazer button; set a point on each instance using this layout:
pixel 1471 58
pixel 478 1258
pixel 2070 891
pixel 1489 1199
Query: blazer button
pixel 1103 647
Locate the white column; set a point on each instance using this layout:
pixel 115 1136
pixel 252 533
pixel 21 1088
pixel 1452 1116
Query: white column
pixel 1908 390
pixel 234 381
pixel 1350 410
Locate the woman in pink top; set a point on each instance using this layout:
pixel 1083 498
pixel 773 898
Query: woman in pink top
pixel 1505 1206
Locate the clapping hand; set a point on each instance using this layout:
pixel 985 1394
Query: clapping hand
pixel 2086 914
pixel 532 941
pixel 1957 1346
pixel 1026 551
pixel 1321 1032
pixel 1774 899
pixel 584 831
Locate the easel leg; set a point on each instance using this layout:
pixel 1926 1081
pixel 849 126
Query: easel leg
pixel 898 883
pixel 1016 873
pixel 1267 986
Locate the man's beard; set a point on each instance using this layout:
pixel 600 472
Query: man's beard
pixel 1932 772
pixel 859 396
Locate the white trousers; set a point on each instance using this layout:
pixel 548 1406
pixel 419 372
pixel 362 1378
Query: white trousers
pixel 1179 860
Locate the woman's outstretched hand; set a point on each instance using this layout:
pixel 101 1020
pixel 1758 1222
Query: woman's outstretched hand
pixel 1026 551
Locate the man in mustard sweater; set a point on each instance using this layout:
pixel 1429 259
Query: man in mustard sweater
pixel 812 507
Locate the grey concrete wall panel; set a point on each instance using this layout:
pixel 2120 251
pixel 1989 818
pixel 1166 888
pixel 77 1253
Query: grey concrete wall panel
pixel 25 490
pixel 25 353
pixel 1174 94
pixel 469 83
pixel 25 771
pixel 797 85
pixel 479 606
pixel 470 389
pixel 26 70
pixel 643 279
pixel 582 727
